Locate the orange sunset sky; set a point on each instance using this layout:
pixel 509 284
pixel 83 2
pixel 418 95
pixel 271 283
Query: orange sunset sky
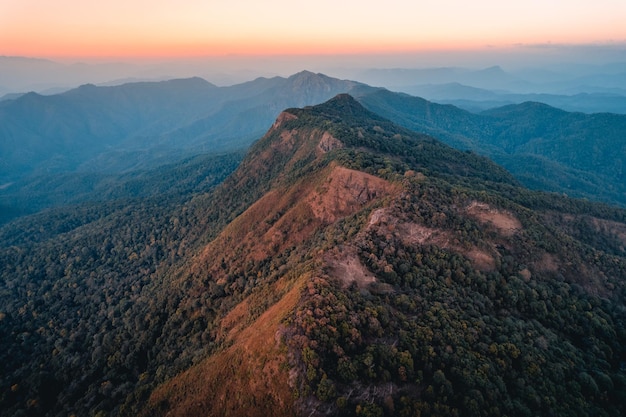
pixel 177 28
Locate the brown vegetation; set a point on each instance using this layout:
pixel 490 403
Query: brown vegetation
pixel 249 378
pixel 503 221
pixel 344 192
pixel 345 265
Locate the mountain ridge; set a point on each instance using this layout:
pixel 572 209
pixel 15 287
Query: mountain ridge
pixel 326 285
pixel 348 267
pixel 477 100
pixel 545 147
pixel 138 115
pixel 110 131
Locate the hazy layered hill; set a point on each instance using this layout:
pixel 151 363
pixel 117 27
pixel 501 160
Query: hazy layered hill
pixel 141 124
pixel 545 148
pixel 348 267
pixel 494 78
pixel 75 146
pixel 584 88
pixel 479 99
pixel 87 136
pixel 60 132
pixel 251 108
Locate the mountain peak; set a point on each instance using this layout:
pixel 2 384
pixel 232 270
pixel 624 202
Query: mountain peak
pixel 304 73
pixel 309 83
pixel 191 82
pixel 493 69
pixel 300 136
pixel 308 77
pixel 343 107
pixel 526 109
pixel 341 101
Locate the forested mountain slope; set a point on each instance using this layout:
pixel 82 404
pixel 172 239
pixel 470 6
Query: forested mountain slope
pixel 347 267
pixel 578 154
pixel 192 174
pixel 413 279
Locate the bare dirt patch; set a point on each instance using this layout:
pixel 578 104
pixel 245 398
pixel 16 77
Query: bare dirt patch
pixel 344 192
pixel 482 260
pixel 503 221
pixel 411 234
pixel 328 142
pixel 547 263
pixel 616 229
pixel 526 274
pixel 346 266
pixel 280 121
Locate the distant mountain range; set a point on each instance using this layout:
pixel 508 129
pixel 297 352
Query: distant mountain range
pixel 565 80
pixel 575 86
pixel 113 129
pixel 544 147
pixel 25 74
pixel 479 99
pixel 492 78
pixel 99 133
pixel 347 267
pixel 591 91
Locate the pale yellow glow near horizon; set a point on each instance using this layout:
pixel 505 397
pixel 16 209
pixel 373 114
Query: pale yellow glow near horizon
pixel 205 28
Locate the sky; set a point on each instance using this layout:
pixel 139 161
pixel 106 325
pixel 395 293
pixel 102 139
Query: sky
pixel 201 28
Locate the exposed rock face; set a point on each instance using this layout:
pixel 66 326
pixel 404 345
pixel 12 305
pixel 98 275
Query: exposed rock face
pixel 344 192
pixel 329 142
pixel 504 222
pixel 280 121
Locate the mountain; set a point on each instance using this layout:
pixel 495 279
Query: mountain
pixel 91 134
pixel 11 96
pixel 567 78
pixel 114 128
pixel 15 69
pixel 251 108
pixel 478 99
pixel 102 132
pixel 348 267
pixel 571 87
pixel 26 74
pixel 60 132
pixel 491 78
pixel 544 147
